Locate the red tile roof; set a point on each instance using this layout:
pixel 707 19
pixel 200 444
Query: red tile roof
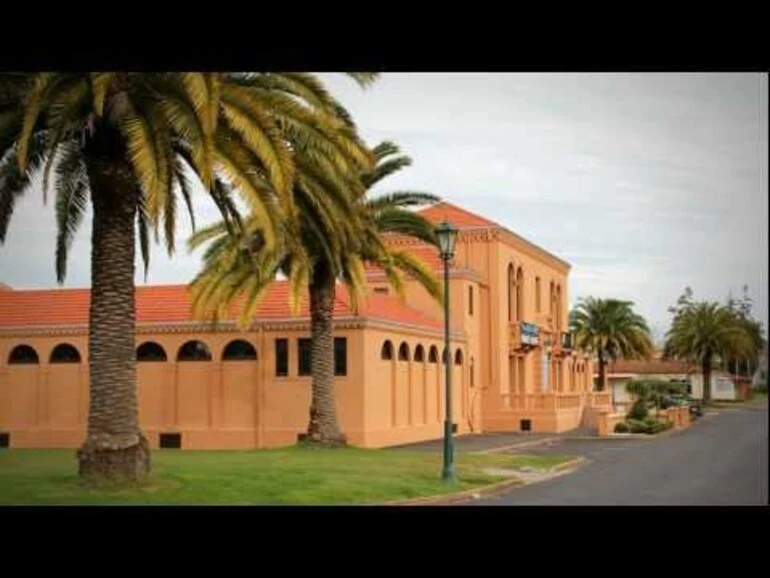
pixel 171 304
pixel 455 215
pixel 651 367
pixel 426 253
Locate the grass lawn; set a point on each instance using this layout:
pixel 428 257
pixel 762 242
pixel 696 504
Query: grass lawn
pixel 295 475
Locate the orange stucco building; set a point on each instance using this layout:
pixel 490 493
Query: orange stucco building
pixel 207 387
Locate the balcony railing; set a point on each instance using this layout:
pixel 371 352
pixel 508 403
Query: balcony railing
pixel 566 341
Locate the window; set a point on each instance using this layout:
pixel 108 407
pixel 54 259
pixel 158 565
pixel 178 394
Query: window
pixel 470 299
pixel 387 351
pixel 511 282
pixel 433 355
pixel 240 350
pixel 304 360
pixel 281 357
pixel 519 294
pixel 403 352
pixel 194 351
pixel 419 353
pixel 537 294
pixel 458 357
pixel 471 371
pixel 65 353
pixel 340 356
pixel 23 354
pixel 381 290
pixel 150 351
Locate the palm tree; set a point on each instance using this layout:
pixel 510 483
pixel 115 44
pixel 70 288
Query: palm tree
pixel 703 332
pixel 611 329
pixel 126 142
pixel 334 233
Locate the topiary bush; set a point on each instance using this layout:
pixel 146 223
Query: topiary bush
pixel 658 426
pixel 638 411
pixel 636 425
pixel 621 427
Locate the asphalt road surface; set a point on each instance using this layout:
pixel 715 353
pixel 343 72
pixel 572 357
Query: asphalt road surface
pixel 720 460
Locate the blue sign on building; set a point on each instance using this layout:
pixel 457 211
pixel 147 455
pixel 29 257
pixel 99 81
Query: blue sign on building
pixel 530 333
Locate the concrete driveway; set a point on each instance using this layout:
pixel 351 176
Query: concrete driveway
pixel 721 460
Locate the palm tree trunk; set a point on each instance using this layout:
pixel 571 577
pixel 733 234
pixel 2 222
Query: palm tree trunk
pixel 600 386
pixel 323 428
pixel 114 447
pixel 706 367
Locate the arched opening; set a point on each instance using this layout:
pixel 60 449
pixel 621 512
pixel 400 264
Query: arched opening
pixel 22 354
pixel 239 350
pixel 403 352
pixel 65 353
pixel 470 367
pixel 519 294
pixel 194 351
pixel 433 354
pixel 419 353
pixel 551 298
pixel 511 283
pixel 458 357
pixel 537 295
pixel 387 351
pixel 558 307
pixel 150 351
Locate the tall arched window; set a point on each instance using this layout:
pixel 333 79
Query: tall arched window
pixel 419 353
pixel 459 357
pixel 511 283
pixel 558 307
pixel 403 352
pixel 519 294
pixel 387 351
pixel 23 354
pixel 433 355
pixel 537 294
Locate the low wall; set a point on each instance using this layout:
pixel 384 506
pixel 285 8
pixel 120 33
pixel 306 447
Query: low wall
pixel 606 422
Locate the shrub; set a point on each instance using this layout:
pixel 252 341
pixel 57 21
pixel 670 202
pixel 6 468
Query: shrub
pixel 621 427
pixel 658 426
pixel 638 410
pixel 636 426
pixel 761 388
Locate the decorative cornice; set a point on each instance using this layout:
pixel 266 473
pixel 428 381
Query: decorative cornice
pixel 285 324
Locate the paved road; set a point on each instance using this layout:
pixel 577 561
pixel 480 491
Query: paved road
pixel 721 460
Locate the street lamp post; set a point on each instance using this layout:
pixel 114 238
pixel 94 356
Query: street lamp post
pixel 447 236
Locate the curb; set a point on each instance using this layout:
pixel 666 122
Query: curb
pixel 484 491
pixel 503 449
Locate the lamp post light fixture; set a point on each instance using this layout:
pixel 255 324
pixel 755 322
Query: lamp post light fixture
pixel 447 237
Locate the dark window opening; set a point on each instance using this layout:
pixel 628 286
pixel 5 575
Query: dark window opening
pixel 403 352
pixel 419 353
pixel 239 350
pixel 5 439
pixel 387 351
pixel 381 290
pixel 281 357
pixel 150 351
pixel 526 425
pixel 470 300
pixel 170 441
pixel 340 356
pixel 23 354
pixel 65 353
pixel 433 355
pixel 304 362
pixel 194 351
pixel 458 357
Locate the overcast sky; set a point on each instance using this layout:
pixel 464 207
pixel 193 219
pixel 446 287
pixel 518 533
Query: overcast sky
pixel 645 183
